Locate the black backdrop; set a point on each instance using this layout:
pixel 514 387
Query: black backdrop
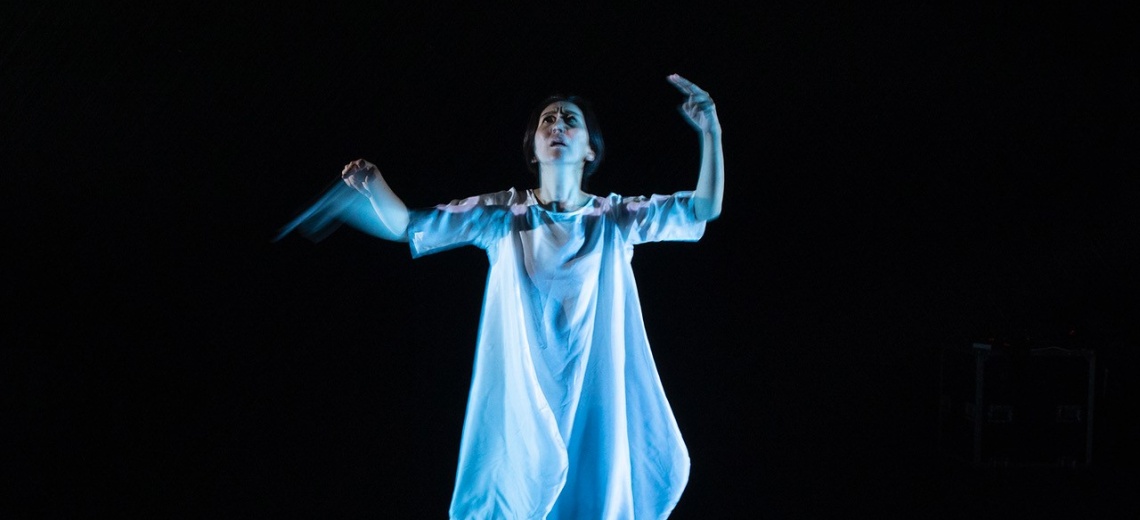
pixel 898 179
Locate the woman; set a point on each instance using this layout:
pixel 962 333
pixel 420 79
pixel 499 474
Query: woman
pixel 566 417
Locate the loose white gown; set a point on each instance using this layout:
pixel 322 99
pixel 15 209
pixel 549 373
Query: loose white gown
pixel 566 418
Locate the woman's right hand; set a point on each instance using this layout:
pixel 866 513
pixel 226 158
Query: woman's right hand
pixel 365 178
pixel 357 174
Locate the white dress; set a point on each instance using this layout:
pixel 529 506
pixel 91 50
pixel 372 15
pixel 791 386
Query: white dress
pixel 566 418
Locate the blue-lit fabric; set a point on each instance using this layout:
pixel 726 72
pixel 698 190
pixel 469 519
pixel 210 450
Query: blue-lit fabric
pixel 566 417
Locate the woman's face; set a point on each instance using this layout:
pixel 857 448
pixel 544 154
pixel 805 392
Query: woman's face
pixel 561 136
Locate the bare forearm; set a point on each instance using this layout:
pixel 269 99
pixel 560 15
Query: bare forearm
pixel 710 184
pixel 700 112
pixel 391 211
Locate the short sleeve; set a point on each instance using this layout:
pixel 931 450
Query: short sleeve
pixel 476 221
pixel 660 218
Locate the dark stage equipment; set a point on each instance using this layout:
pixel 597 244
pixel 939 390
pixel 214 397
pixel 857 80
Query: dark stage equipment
pixel 1017 405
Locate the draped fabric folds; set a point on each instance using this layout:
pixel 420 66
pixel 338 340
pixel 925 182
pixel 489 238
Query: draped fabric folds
pixel 567 417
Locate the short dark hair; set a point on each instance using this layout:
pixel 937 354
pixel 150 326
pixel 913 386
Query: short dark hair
pixel 591 120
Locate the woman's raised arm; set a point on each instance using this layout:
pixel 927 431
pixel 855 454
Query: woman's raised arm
pixel 700 112
pixel 364 177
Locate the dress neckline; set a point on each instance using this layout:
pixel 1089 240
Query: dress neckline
pixel 533 200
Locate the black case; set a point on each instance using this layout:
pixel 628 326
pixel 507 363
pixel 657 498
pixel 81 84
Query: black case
pixel 1017 406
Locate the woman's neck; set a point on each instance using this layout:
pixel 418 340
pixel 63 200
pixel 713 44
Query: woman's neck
pixel 561 188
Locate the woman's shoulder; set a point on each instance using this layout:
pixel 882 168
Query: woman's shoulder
pixel 498 198
pixel 506 197
pixel 638 200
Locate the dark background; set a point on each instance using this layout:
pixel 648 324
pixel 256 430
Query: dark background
pixel 899 179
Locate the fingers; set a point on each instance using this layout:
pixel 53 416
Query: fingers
pixel 356 175
pixel 682 84
pixel 685 86
pixel 698 98
pixel 356 166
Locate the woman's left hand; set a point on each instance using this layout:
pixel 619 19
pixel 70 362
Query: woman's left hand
pixel 699 109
